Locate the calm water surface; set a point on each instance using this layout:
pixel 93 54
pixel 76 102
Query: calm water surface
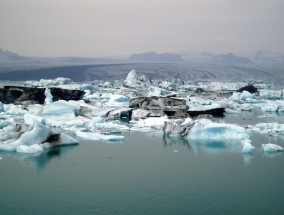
pixel 147 174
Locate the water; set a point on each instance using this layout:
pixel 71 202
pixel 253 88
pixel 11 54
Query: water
pixel 149 173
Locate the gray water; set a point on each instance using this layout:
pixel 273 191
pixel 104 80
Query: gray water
pixel 147 174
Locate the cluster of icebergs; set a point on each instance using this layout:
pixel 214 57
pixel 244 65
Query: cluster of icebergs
pixel 109 109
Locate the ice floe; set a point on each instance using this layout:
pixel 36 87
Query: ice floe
pixel 99 136
pixel 270 148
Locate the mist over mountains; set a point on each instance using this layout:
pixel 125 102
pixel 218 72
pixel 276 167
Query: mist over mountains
pixel 261 56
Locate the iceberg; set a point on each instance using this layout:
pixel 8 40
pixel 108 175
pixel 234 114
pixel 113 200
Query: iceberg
pixel 273 128
pixel 60 110
pixel 57 140
pixel 270 148
pixel 99 136
pixel 152 122
pixel 117 100
pixel 48 96
pixel 271 94
pixel 205 129
pixel 247 146
pixel 245 95
pixel 37 135
pixel 156 91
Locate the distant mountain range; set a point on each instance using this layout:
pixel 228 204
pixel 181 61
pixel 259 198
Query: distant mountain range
pixel 269 56
pixel 155 57
pixel 10 56
pixel 225 59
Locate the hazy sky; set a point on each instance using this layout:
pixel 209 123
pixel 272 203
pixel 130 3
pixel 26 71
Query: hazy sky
pixel 121 27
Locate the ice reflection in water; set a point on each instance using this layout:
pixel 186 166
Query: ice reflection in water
pixel 39 160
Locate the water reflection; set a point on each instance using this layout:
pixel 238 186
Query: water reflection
pixel 39 160
pixel 209 146
pixel 272 154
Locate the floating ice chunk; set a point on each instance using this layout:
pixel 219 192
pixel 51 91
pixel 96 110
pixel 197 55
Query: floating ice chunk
pixel 247 146
pixel 109 126
pixel 37 135
pixel 61 140
pixel 269 147
pixel 60 110
pixel 245 95
pixel 142 114
pixel 271 94
pixel 205 129
pixel 117 100
pixel 152 122
pixel 132 80
pixel 270 128
pixel 168 85
pixel 196 103
pixel 1 158
pixel 98 136
pixel 35 148
pixel 120 113
pixel 156 91
pixel 48 96
pixel 89 87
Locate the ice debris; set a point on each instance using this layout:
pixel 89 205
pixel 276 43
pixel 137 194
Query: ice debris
pixel 99 136
pixel 247 146
pixel 270 148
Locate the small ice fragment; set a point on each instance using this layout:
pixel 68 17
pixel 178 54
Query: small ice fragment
pixel 269 147
pixel 1 158
pixel 247 146
pixel 175 150
pixel 98 136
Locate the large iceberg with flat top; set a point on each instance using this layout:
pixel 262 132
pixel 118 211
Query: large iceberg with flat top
pixel 205 129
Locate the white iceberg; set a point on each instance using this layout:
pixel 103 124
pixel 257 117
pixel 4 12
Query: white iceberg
pixel 48 96
pixel 269 147
pixel 60 110
pixel 156 91
pixel 109 126
pixel 247 146
pixel 205 129
pixel 117 100
pixel 152 122
pixel 271 94
pixel 37 135
pixel 245 95
pixel 99 136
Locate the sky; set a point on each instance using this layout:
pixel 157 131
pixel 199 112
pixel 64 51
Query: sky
pixel 117 28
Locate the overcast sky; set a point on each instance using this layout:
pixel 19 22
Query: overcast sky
pixel 121 27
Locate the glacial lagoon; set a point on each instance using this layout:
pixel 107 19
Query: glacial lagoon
pixel 148 171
